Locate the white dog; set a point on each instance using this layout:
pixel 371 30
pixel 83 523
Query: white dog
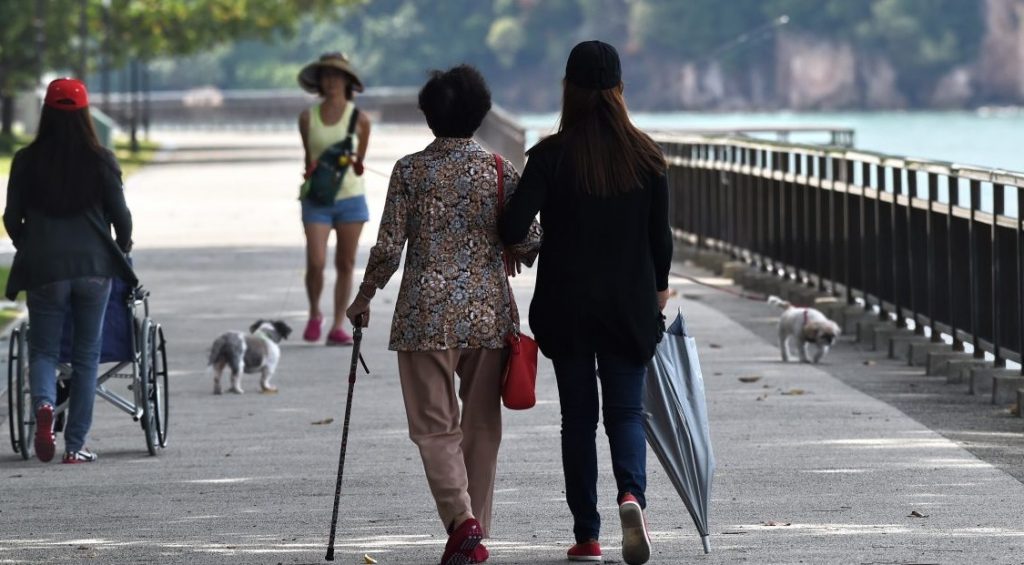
pixel 256 352
pixel 808 327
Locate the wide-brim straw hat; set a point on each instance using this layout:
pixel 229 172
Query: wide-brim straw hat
pixel 309 76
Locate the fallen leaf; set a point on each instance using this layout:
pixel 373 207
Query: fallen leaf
pixel 1014 410
pixel 916 514
pixel 869 362
pixel 772 523
pixel 762 397
pixel 794 392
pixel 368 560
pixel 750 379
pixel 323 422
pixel 714 346
pixel 718 374
pixel 269 391
pixel 692 296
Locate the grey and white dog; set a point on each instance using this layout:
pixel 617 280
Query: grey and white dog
pixel 255 352
pixel 808 327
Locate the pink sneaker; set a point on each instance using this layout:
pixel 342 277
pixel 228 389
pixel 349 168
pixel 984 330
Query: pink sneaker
pixel 45 442
pixel 313 328
pixel 339 337
pixel 636 542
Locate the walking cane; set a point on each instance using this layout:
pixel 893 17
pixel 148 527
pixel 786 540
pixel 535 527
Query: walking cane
pixel 357 336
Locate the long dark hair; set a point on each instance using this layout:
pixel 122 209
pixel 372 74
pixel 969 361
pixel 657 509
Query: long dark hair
pixel 65 162
pixel 610 154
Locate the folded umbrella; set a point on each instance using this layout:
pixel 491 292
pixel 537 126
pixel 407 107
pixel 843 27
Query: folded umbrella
pixel 676 422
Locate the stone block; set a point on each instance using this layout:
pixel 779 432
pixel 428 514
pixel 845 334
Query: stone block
pixel 981 380
pixel 885 335
pixel 731 269
pixel 850 316
pixel 868 327
pixel 958 371
pixel 937 361
pixel 1005 387
pixel 899 345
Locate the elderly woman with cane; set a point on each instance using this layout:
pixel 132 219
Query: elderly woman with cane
pixel 453 312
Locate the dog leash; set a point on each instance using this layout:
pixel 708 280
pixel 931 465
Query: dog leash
pixel 748 296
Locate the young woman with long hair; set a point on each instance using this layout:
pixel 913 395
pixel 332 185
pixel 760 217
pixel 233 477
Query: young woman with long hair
pixel 602 281
pixel 63 195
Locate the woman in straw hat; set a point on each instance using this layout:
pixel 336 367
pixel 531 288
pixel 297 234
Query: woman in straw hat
pixel 327 122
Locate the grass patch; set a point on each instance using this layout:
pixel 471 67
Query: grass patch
pixel 9 144
pixel 133 162
pixel 122 148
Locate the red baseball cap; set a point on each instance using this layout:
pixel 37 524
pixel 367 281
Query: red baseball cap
pixel 67 94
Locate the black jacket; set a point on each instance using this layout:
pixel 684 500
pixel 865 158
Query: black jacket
pixel 51 248
pixel 601 262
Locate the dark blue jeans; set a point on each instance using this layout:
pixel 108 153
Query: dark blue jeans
pixel 622 391
pixel 85 299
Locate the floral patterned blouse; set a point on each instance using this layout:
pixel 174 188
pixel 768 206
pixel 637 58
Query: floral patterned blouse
pixel 454 294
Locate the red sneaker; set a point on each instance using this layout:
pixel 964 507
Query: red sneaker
pixel 45 441
pixel 462 542
pixel 480 554
pixel 339 337
pixel 636 542
pixel 586 551
pixel 313 328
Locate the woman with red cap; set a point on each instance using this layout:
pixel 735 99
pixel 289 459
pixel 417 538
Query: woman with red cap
pixel 63 195
pixel 602 280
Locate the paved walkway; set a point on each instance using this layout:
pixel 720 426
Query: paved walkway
pixel 828 476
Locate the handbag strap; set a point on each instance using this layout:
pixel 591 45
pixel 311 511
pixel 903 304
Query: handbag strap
pixel 499 163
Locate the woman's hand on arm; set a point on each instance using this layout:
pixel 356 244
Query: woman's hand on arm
pixel 363 129
pixel 304 133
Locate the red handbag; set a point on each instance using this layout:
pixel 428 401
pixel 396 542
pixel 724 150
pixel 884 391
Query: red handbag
pixel 518 387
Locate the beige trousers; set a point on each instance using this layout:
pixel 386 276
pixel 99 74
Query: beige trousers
pixel 460 454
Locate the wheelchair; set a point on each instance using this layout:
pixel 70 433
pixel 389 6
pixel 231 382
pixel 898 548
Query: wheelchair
pixel 134 351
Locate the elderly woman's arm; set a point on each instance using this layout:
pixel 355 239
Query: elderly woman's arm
pixel 14 213
pixel 518 227
pixel 386 255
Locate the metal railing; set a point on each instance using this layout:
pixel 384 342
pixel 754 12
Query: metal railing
pixel 926 244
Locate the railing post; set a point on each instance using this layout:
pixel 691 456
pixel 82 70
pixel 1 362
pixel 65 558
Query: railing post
pixel 865 182
pixel 819 264
pixel 880 173
pixel 998 197
pixel 972 260
pixel 897 190
pixel 953 196
pixel 848 168
pixel 911 194
pixel 933 196
pixel 1020 276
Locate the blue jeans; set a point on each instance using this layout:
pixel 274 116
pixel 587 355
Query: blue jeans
pixel 86 300
pixel 622 390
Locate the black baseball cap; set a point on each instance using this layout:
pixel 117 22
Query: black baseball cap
pixel 593 65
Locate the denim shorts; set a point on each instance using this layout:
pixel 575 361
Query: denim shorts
pixel 346 211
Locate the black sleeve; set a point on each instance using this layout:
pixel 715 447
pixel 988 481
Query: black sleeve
pixel 114 204
pixel 660 232
pixel 14 213
pixel 522 206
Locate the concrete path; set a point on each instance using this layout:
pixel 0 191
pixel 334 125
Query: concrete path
pixel 809 469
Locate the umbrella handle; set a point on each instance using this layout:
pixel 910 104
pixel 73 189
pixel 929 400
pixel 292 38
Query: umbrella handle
pixel 707 544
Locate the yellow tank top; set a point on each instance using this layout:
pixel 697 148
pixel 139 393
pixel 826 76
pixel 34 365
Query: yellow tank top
pixel 322 136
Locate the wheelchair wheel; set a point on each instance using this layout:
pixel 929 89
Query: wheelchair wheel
pixel 158 391
pixel 19 395
pixel 146 380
